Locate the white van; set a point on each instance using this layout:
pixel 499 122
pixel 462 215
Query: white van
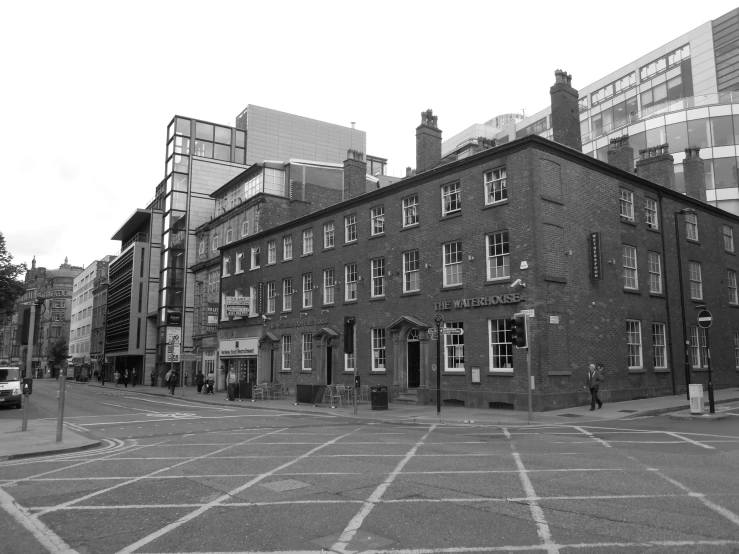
pixel 10 386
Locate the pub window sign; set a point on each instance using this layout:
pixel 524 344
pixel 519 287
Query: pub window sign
pixel 596 266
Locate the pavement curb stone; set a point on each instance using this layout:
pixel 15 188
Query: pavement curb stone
pixel 53 452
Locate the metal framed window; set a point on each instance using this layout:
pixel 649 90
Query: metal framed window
pixel 691 226
pixel 287 294
pixel 410 210
pixel 628 255
pixel 329 286
pixel 451 199
pixel 307 241
pixel 411 271
pixel 633 343
pixel 452 253
pixel 696 284
pixel 328 234
pixel 307 349
pixel 650 213
pixel 731 283
pixel 659 344
pixel 287 247
pixel 495 186
pixel 498 254
pixel 271 297
pixel 728 233
pixel 698 350
pixel 627 204
pixel 378 220
pixel 272 252
pixel 454 348
pixel 287 342
pixel 654 266
pixel 350 228
pixel 736 349
pixel 308 290
pixel 350 281
pixel 500 347
pixel 378 349
pixel 378 277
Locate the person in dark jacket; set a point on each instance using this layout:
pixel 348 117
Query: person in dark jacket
pixel 171 379
pixel 200 381
pixel 592 381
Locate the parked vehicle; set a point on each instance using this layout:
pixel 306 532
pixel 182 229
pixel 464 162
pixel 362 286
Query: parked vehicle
pixel 10 386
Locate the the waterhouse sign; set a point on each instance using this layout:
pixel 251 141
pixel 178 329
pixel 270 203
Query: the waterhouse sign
pixel 298 323
pixel 479 302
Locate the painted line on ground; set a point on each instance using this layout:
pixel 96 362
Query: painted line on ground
pixel 592 436
pixel 691 441
pixel 728 514
pixel 542 527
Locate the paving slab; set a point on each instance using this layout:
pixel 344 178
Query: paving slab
pixel 39 439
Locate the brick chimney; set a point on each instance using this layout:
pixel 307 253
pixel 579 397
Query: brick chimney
pixel 565 112
pixel 355 174
pixel 656 165
pixel 620 154
pixel 695 181
pixel 428 142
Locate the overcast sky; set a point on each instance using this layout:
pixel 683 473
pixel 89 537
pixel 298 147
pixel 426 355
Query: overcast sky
pixel 89 88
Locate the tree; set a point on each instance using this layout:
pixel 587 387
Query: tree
pixel 11 289
pixel 58 354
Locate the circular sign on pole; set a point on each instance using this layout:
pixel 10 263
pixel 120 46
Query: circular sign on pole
pixel 705 319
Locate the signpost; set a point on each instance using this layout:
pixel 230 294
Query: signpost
pixel 704 320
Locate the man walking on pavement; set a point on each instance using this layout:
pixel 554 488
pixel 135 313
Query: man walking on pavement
pixel 592 382
pixel 231 380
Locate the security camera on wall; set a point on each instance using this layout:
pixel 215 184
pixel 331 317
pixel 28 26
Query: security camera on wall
pixel 518 283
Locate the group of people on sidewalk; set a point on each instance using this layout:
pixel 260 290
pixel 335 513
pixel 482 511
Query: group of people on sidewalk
pixel 118 377
pixel 203 384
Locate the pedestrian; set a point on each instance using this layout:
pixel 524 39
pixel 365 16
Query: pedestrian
pixel 102 377
pixel 125 377
pixel 133 377
pixel 211 381
pixel 96 375
pixel 171 379
pixel 199 381
pixel 153 378
pixel 231 381
pixel 592 382
pixel 116 378
pixel 186 378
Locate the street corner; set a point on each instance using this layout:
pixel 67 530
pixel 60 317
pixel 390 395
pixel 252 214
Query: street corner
pixel 688 416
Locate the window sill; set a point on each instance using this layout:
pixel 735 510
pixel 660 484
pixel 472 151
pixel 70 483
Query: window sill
pixel 733 305
pixel 653 230
pixel 269 263
pixel 330 305
pixel 699 369
pixel 377 236
pixel 632 291
pixel 286 312
pixel 698 300
pixel 730 252
pixel 497 282
pixel 448 373
pixel 453 215
pixel 376 298
pixel 349 302
pixel 662 370
pixel 628 221
pixel 559 373
pixel 637 370
pixel 496 205
pixel 236 273
pixel 693 241
pixel 285 370
pixel 378 372
pixel 500 373
pixel 657 295
pixel 326 248
pixel 306 255
pixel 307 370
pixel 352 243
pixel 288 260
pixel 411 293
pixel 451 287
pixel 408 227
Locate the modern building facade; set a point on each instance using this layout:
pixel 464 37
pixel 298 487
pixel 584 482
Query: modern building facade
pixel 684 93
pixel 587 247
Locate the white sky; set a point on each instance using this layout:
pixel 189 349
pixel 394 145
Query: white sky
pixel 89 87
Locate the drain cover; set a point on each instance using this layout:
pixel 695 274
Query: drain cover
pixel 286 485
pixel 569 415
pixel 628 411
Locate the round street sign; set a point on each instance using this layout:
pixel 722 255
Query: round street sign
pixel 705 319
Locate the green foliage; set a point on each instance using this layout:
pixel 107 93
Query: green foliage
pixel 10 287
pixel 58 352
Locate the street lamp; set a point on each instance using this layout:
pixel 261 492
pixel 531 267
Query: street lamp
pixel 686 345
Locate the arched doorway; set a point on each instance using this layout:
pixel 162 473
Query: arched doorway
pixel 326 339
pixel 410 352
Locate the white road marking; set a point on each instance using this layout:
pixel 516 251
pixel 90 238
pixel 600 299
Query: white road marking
pixel 190 405
pixel 592 436
pixel 691 441
pixel 506 433
pixel 728 514
pixel 356 522
pixel 542 527
pixel 45 536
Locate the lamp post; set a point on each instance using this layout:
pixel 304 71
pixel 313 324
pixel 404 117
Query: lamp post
pixel 686 339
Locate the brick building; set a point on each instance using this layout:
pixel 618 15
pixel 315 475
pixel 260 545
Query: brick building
pixel 475 237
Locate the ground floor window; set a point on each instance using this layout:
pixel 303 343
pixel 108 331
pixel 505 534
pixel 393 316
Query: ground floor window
pixel 307 351
pixel 501 349
pixel 660 345
pixel 633 342
pixel 350 359
pixel 698 350
pixel 287 341
pixel 378 349
pixel 454 349
pixel 736 349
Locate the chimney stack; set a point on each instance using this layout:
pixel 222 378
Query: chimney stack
pixel 695 181
pixel 565 112
pixel 428 142
pixel 620 154
pixel 656 164
pixel 355 174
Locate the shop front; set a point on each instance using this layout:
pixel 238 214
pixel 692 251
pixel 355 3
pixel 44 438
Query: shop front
pixel 240 355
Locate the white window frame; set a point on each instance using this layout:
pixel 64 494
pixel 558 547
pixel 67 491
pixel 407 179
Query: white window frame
pixel 654 266
pixel 239 262
pixel 214 243
pixel 452 255
pixel 287 294
pixel 350 360
pixel 307 241
pixel 650 214
pixel 271 297
pixel 696 280
pixel 731 284
pixel 736 350
pixel 691 227
pixel 698 350
pixel 271 252
pixel 379 353
pixel 307 290
pixel 454 349
pixel 287 247
pixel 728 233
pixel 496 190
pixel 498 256
pixel 229 235
pixel 287 341
pixel 350 228
pixel 659 345
pixel 255 258
pixel 329 286
pixel 350 282
pixel 329 234
pixel 306 350
pixel 245 228
pixel 634 344
pixel 500 352
pixel 626 201
pixel 451 198
pixel 630 270
pixel 410 211
pixel 201 248
pixel 226 264
pixel 378 277
pixel 412 271
pixel 377 226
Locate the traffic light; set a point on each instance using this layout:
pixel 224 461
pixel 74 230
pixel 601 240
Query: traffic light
pixel 519 331
pixel 349 334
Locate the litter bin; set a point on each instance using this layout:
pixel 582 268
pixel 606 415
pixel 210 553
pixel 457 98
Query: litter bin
pixel 378 397
pixel 696 398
